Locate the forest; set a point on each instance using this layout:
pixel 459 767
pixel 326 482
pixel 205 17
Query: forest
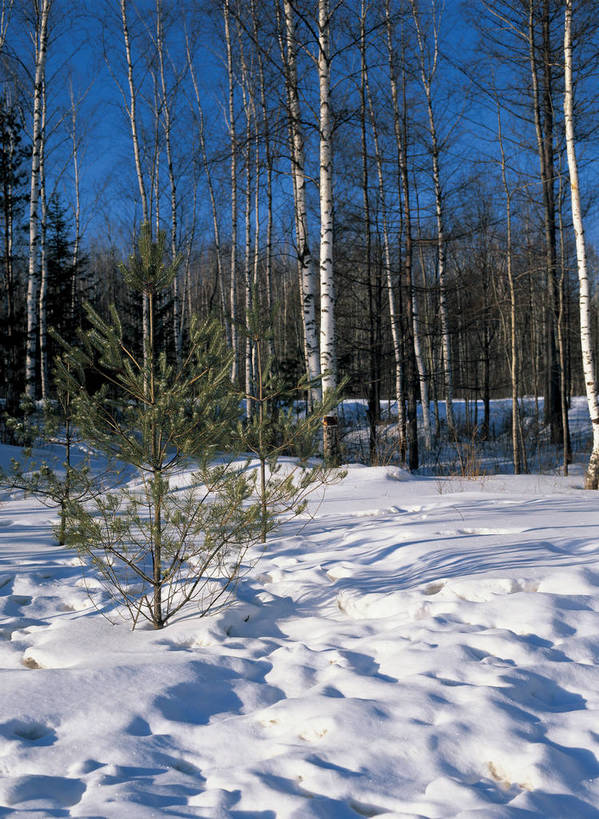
pixel 299 322
pixel 387 195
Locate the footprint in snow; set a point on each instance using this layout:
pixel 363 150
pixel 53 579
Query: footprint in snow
pixel 28 731
pixel 14 603
pixel 339 571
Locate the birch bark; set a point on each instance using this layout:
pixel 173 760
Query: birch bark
pixel 167 127
pixel 544 134
pixel 233 147
pixel 514 365
pixel 306 268
pixel 328 363
pixel 411 327
pixel 131 108
pixel 427 77
pixel 393 309
pixel 43 292
pixel 586 343
pixel 77 242
pixel 41 47
pixel 250 118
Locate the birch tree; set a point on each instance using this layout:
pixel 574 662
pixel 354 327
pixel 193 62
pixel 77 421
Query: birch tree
pixel 543 110
pixel 514 363
pixel 40 37
pixel 234 149
pixel 428 70
pixel 306 269
pixel 43 262
pixel 586 343
pixel 400 126
pixel 166 102
pixel 328 362
pixel 394 318
pixel 76 185
pixel 131 109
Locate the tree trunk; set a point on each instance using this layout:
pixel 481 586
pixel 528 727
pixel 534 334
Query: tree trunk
pixel 8 203
pixel 131 108
pixel 586 342
pixel 166 113
pixel 373 382
pixel 328 363
pixel 233 146
pixel 396 336
pixel 544 133
pixel 410 327
pixel 41 46
pixel 77 242
pixel 513 339
pixel 306 268
pixel 427 77
pixel 43 294
pixel 250 118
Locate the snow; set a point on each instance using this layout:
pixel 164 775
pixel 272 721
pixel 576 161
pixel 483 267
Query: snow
pixel 416 647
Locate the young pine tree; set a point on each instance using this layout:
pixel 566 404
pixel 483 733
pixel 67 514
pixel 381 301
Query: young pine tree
pixel 159 542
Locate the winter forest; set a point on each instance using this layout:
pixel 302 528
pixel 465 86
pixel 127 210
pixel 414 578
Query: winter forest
pixel 385 184
pixel 299 323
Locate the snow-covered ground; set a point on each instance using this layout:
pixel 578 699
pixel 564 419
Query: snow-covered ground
pixel 419 647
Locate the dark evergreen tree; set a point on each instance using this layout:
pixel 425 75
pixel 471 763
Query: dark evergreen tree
pixel 13 195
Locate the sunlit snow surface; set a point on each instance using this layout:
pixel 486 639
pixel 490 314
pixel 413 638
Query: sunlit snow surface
pixel 420 647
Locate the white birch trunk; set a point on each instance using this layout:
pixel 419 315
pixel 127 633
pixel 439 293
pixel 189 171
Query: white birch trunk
pixel 403 193
pixel 393 311
pixel 167 127
pixel 154 205
pixel 132 114
pixel 328 362
pixel 41 46
pixel 427 79
pixel 247 269
pixel 307 272
pixel 586 342
pixel 43 294
pixel 422 373
pixel 76 244
pixel 510 276
pixel 233 145
pixel 249 112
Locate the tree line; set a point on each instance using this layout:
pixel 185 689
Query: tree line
pixel 391 185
